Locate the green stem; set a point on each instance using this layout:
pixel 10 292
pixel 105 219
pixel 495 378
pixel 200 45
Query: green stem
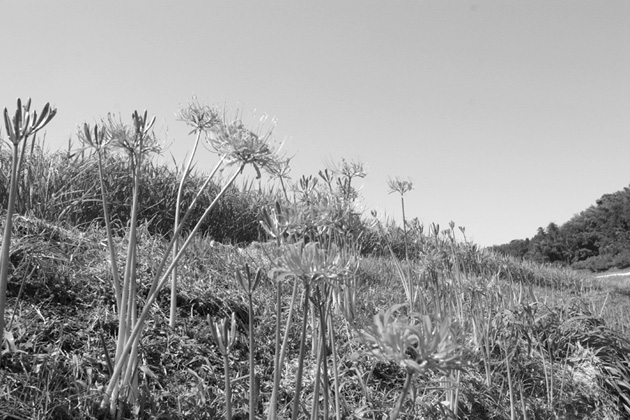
pixel 154 293
pixel 335 367
pixel 276 361
pixel 509 375
pixel 402 201
pixel 228 387
pixel 128 314
pixel 396 411
pixel 179 229
pixel 108 228
pixel 280 359
pixel 323 315
pixel 317 306
pixel 180 191
pixel 6 241
pixel 252 370
pixel 298 379
pixel 286 196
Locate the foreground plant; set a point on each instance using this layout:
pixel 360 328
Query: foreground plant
pixel 224 334
pixel 137 142
pixel 402 187
pixel 281 225
pixel 236 145
pixel 23 124
pixel 415 343
pixel 249 282
pixel 202 119
pixel 314 266
pixel 98 139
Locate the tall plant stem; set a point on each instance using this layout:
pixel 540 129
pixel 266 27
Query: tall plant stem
pixel 276 360
pixel 281 351
pixel 321 364
pixel 228 387
pixel 128 310
pixel 179 228
pixel 402 202
pixel 314 332
pixel 252 370
pixel 108 229
pixel 331 331
pixel 180 191
pixel 20 184
pixel 510 386
pixel 300 371
pixel 284 190
pixel 6 241
pixel 154 292
pixel 396 411
pixel 318 307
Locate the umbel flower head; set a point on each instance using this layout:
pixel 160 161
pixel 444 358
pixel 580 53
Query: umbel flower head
pixel 280 169
pixel 400 186
pixel 202 118
pixel 25 123
pixel 279 221
pixel 414 343
pixel 311 262
pixel 241 145
pixel 94 137
pixel 137 140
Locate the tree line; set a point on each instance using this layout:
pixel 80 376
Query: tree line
pixel 597 239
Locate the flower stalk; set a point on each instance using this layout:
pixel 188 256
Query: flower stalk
pixel 249 282
pixel 224 334
pixel 23 124
pixel 202 119
pixel 236 145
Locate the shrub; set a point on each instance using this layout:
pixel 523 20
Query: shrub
pixel 595 264
pixel 63 188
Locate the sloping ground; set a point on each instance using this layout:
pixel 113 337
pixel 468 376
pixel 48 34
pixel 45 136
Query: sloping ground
pixel 619 280
pixel 623 273
pixel 566 362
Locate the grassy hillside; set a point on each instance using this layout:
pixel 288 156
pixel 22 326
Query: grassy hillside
pixel 328 313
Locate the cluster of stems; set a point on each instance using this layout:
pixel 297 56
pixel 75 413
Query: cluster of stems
pixel 25 123
pixel 241 150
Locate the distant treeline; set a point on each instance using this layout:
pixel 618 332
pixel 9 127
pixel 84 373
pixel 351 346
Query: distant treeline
pixel 597 239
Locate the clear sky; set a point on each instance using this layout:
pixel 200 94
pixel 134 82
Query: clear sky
pixel 506 115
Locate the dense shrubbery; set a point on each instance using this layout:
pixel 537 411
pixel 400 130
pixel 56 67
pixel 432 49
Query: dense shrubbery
pixel 63 187
pixel 596 239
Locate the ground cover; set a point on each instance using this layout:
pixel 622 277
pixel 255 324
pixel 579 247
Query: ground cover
pixel 561 357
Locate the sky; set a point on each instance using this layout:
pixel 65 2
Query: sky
pixel 505 115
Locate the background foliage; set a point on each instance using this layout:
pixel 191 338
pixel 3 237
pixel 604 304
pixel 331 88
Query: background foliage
pixel 597 238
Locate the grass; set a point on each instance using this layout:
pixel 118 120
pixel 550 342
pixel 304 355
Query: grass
pixel 56 356
pixel 310 327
